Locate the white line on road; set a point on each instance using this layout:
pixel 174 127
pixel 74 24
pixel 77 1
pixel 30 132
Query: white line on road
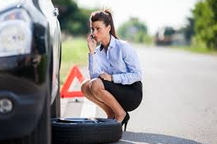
pixel 88 109
pixel 64 102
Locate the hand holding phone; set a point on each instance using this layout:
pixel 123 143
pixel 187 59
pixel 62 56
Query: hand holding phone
pixel 91 42
pixel 91 35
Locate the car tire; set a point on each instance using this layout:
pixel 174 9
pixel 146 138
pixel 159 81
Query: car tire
pixel 42 133
pixel 85 131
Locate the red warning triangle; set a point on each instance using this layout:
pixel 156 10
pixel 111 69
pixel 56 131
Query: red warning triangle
pixel 65 89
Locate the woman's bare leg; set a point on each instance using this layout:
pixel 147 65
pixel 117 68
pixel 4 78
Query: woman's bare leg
pixel 97 89
pixel 85 88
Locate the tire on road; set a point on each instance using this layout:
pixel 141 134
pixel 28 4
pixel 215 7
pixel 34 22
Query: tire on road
pixel 85 131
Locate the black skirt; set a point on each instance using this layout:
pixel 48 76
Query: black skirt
pixel 128 96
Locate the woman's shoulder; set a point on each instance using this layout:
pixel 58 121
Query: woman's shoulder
pixel 123 44
pixel 121 41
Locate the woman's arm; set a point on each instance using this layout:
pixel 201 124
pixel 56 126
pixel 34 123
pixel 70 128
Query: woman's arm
pixel 93 62
pixel 131 60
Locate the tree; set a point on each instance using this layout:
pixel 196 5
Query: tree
pixel 73 20
pixel 188 30
pixel 205 16
pixel 213 6
pixel 133 30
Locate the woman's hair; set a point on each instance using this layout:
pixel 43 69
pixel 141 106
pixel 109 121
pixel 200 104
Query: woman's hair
pixel 106 17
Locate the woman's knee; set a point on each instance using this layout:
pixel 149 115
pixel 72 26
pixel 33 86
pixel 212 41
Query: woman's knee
pixel 85 86
pixel 96 85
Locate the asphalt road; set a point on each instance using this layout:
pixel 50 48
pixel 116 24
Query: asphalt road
pixel 179 105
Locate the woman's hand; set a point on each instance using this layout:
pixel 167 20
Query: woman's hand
pixel 91 43
pixel 106 76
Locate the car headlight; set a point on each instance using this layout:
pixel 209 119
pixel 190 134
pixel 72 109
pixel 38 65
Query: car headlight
pixel 15 33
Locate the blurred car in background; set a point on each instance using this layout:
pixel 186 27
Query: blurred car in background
pixel 164 36
pixel 30 58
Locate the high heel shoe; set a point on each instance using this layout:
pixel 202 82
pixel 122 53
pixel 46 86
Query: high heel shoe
pixel 125 121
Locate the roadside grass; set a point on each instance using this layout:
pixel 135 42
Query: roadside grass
pixel 196 49
pixel 74 52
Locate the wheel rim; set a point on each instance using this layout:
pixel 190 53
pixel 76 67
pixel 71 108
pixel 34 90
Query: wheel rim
pixel 77 120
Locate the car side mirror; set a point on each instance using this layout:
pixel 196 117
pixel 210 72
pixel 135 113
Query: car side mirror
pixel 56 11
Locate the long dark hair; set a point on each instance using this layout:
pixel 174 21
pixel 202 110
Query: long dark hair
pixel 106 17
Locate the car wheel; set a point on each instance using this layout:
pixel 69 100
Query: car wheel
pixel 42 132
pixel 85 131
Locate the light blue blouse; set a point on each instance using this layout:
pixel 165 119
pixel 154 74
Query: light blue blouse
pixel 120 60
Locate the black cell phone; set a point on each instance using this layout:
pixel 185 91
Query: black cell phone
pixel 91 35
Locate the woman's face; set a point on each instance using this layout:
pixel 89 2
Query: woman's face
pixel 99 30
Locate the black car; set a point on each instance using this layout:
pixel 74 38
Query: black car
pixel 30 57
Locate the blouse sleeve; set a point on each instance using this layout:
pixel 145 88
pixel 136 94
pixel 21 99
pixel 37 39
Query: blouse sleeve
pixel 131 60
pixel 93 67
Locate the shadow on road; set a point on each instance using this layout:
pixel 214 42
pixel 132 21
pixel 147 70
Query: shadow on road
pixel 151 138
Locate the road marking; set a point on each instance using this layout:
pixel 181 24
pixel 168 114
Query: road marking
pixel 88 109
pixel 64 102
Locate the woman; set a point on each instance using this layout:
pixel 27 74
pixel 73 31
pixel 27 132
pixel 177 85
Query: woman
pixel 114 70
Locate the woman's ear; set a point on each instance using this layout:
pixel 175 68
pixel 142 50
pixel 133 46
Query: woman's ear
pixel 109 28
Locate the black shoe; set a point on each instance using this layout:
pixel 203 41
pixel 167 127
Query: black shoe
pixel 125 121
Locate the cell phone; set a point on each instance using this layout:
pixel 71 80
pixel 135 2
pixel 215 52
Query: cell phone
pixel 91 35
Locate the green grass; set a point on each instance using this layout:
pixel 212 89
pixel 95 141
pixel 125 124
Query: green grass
pixel 197 49
pixel 74 52
pixel 198 46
